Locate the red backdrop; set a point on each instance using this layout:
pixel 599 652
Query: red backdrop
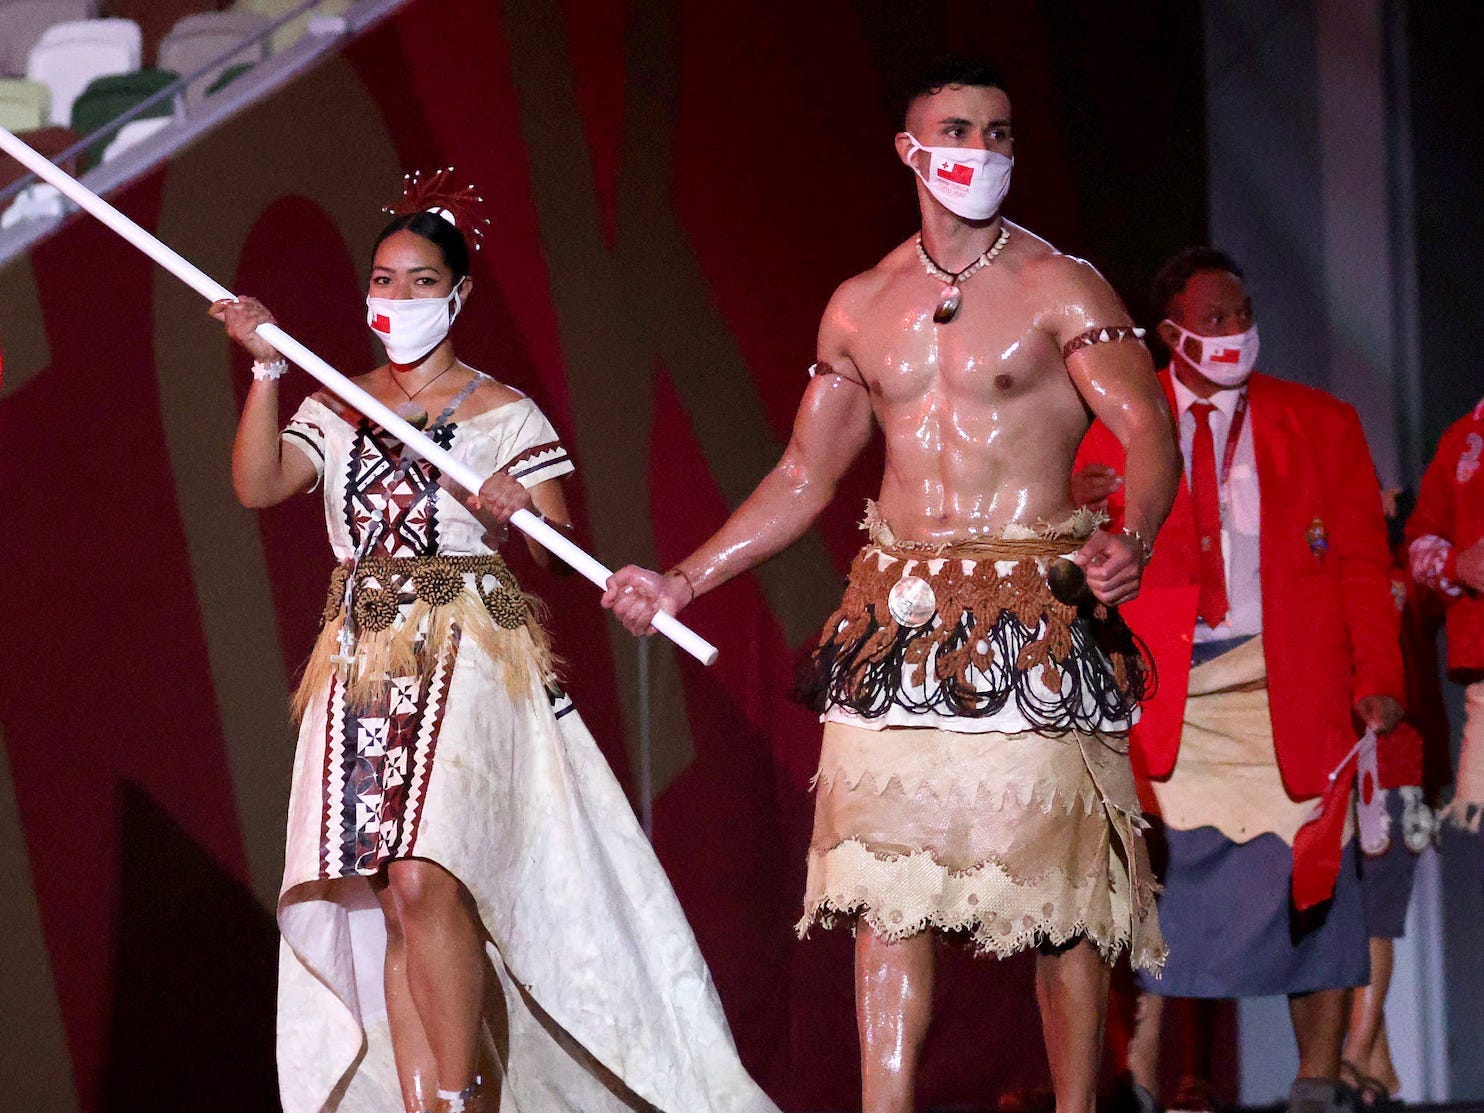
pixel 674 191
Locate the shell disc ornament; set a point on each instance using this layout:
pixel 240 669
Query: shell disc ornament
pixel 912 602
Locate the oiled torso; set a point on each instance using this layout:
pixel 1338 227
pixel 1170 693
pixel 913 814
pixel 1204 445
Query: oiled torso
pixel 980 417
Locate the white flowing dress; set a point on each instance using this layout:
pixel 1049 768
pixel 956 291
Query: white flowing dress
pixel 598 997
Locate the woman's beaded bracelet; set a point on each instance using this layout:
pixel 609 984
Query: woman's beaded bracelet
pixel 275 370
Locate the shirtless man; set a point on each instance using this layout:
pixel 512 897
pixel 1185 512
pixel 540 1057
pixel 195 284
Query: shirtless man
pixel 966 708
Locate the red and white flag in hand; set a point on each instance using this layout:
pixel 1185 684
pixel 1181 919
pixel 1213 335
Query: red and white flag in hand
pixel 1318 845
pixel 1370 806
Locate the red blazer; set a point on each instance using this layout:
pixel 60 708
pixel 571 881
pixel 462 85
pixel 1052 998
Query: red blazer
pixel 1330 627
pixel 1450 505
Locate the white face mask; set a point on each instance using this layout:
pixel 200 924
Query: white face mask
pixel 970 183
pixel 410 328
pixel 1225 360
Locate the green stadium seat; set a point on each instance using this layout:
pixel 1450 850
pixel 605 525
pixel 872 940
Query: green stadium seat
pixel 107 98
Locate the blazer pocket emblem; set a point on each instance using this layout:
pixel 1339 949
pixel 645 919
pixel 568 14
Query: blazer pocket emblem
pixel 1318 540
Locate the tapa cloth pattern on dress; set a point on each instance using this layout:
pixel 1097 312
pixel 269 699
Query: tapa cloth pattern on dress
pixel 598 998
pixel 1005 824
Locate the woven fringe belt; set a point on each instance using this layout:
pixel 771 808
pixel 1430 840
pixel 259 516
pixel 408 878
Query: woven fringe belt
pixel 918 629
pixel 436 580
pixel 406 613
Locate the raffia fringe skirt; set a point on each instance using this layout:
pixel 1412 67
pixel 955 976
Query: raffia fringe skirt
pixel 1016 840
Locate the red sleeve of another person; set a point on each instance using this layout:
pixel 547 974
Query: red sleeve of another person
pixel 1163 615
pixel 1450 505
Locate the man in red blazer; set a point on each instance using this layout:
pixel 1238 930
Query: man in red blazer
pixel 1267 609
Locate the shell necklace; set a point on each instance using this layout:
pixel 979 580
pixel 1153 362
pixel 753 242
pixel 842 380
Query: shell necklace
pixel 953 297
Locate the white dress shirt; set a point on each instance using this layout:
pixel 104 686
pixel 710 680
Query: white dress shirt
pixel 1241 512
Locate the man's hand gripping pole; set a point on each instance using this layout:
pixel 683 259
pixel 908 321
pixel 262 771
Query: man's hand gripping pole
pixel 413 439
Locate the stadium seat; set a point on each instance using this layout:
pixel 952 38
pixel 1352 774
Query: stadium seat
pixel 295 29
pixel 70 55
pixel 156 18
pixel 107 98
pixel 135 132
pixel 23 104
pixel 199 40
pixel 23 21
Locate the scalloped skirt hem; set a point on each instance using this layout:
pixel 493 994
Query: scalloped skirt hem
pixel 1015 841
pixel 1020 921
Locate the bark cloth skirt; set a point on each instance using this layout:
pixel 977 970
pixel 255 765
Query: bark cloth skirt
pixel 974 776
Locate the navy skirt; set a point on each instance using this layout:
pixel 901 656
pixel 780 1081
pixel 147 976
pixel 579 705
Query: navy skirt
pixel 1232 929
pixel 1387 880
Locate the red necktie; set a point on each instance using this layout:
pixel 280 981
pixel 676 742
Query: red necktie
pixel 1204 490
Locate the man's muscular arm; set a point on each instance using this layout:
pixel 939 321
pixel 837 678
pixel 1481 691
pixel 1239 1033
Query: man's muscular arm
pixel 831 427
pixel 1116 380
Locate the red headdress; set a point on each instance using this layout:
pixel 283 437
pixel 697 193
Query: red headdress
pixel 437 194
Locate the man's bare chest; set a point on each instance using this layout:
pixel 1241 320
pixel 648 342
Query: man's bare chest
pixel 987 350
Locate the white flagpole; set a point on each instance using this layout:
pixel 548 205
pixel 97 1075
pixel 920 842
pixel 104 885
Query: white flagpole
pixel 198 280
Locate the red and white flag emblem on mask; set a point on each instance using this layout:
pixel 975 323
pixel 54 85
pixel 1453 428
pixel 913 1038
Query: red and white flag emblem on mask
pixel 1225 355
pixel 957 172
pixel 381 322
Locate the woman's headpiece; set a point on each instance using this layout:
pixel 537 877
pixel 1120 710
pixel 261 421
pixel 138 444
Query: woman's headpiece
pixel 436 194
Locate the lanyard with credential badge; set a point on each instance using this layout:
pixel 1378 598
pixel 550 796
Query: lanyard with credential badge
pixel 1229 454
pixel 1234 434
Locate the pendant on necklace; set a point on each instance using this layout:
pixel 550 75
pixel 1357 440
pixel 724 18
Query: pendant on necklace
pixel 412 413
pixel 948 307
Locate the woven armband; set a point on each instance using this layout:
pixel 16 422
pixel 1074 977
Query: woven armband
pixel 1109 335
